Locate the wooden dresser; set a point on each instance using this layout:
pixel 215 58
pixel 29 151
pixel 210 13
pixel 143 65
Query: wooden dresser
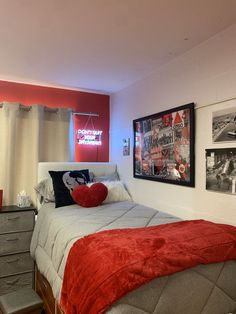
pixel 16 264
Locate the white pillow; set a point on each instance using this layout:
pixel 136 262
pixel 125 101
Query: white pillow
pixel 45 192
pixel 110 177
pixel 116 192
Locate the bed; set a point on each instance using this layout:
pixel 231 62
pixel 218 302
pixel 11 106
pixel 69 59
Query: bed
pixel 205 289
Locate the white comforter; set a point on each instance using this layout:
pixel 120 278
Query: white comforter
pixel 57 229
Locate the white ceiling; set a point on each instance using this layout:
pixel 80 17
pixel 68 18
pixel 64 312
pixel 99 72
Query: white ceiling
pixel 102 45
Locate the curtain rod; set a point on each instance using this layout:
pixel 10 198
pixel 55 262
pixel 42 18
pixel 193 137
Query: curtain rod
pixel 21 107
pixel 28 108
pixel 25 108
pixel 92 114
pixel 49 109
pixel 55 110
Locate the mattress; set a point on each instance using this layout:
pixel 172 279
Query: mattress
pixel 204 289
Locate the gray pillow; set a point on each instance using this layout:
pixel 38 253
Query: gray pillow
pixel 45 192
pixel 91 176
pixel 110 177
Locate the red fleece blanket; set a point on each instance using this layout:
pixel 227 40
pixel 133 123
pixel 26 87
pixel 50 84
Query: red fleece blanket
pixel 104 266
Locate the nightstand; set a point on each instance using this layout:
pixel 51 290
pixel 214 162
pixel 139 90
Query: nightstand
pixel 16 264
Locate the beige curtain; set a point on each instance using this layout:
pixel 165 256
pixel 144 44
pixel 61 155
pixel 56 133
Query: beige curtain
pixel 27 137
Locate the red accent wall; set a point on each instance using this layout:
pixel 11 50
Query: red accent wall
pixel 27 94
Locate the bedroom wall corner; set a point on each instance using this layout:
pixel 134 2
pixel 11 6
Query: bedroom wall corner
pixel 203 75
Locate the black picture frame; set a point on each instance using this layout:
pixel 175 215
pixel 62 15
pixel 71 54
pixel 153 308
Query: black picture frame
pixel 221 170
pixel 164 146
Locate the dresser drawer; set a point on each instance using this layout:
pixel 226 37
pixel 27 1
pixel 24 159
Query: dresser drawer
pixel 16 221
pixel 15 264
pixel 14 242
pixel 12 283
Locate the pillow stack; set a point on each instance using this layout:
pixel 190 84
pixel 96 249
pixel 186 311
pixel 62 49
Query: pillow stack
pixel 70 187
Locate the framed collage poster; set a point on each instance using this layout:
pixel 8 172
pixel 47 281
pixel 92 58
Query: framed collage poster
pixel 164 146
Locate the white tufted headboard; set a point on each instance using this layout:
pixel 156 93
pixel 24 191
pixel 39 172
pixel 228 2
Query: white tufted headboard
pixel 98 168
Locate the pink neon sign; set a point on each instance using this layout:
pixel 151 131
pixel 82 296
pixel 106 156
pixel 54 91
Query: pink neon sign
pixel 89 137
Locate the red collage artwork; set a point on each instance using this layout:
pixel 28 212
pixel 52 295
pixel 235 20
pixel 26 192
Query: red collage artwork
pixel 163 146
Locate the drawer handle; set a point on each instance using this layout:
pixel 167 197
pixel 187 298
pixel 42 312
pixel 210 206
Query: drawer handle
pixel 12 239
pixel 13 218
pixel 13 261
pixel 12 282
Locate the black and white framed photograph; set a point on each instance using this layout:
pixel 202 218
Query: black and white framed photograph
pixel 224 125
pixel 221 170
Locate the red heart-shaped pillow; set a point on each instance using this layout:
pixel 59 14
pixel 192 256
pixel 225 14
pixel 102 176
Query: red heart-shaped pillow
pixel 91 196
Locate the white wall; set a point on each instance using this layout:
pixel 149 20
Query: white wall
pixel 203 75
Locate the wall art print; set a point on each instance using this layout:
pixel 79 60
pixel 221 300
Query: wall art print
pixel 221 170
pixel 224 125
pixel 164 146
pixel 126 146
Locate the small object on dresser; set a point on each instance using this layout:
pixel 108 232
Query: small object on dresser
pixel 1 195
pixel 21 301
pixel 23 200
